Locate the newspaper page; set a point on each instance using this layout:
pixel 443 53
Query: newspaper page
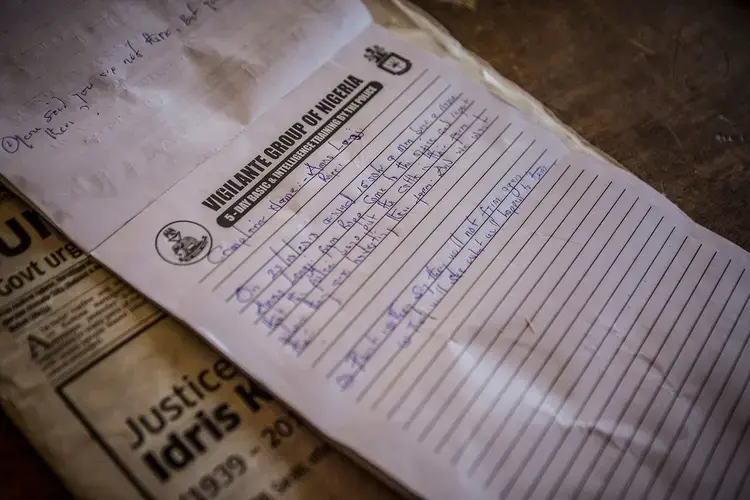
pixel 505 317
pixel 120 93
pixel 124 402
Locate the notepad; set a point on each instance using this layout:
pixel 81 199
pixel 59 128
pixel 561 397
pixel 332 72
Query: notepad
pixel 454 292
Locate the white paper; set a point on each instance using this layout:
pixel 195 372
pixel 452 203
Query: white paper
pixel 106 104
pixel 449 291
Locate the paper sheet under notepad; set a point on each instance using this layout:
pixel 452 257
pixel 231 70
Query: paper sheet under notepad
pixel 117 95
pixel 450 291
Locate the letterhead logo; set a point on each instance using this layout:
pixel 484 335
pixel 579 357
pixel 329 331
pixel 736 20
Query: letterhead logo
pixel 183 242
pixel 387 61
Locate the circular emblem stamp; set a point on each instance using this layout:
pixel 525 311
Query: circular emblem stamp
pixel 183 242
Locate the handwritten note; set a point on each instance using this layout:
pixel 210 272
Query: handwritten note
pixel 454 294
pixel 130 52
pixel 120 94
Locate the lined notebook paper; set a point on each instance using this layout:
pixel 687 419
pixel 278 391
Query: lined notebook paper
pixel 450 291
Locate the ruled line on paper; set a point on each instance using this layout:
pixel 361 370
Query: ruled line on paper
pixel 262 314
pixel 369 385
pixel 477 137
pixel 458 454
pixel 435 386
pixel 667 372
pixel 429 364
pixel 503 329
pixel 577 453
pixel 300 324
pixel 554 453
pixel 436 271
pixel 444 439
pixel 737 490
pixel 730 415
pixel 457 422
pixel 539 337
pixel 521 467
pixel 698 393
pixel 709 456
pixel 373 222
pixel 741 487
pixel 264 243
pixel 434 205
pixel 625 407
pixel 433 280
pixel 419 350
